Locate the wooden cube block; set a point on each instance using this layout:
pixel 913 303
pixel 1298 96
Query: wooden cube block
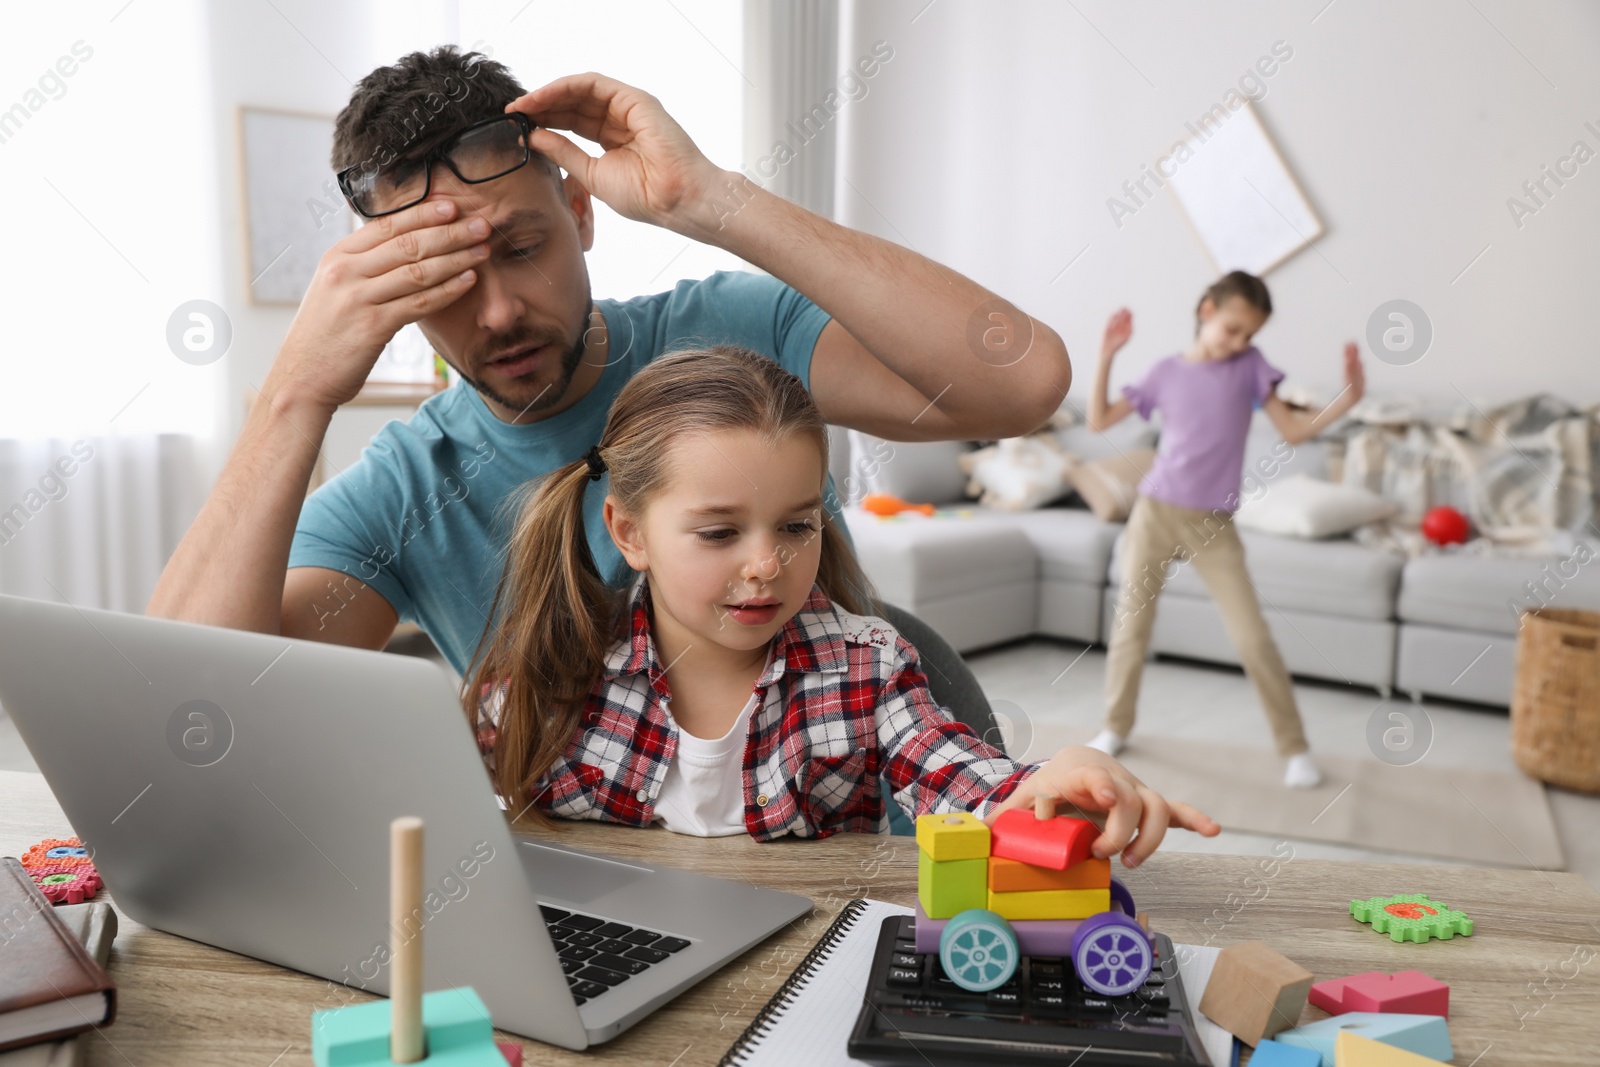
pixel 1050 903
pixel 1056 843
pixel 1255 992
pixel 1012 876
pixel 947 887
pixel 958 835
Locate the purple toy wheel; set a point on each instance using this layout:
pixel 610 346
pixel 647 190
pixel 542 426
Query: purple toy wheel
pixel 1120 897
pixel 1111 954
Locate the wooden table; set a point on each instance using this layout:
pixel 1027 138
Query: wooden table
pixel 1523 985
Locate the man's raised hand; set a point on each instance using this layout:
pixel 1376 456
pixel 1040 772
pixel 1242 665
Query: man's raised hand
pixel 392 271
pixel 649 170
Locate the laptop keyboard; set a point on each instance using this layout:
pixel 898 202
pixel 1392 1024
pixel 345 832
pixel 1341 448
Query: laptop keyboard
pixel 597 953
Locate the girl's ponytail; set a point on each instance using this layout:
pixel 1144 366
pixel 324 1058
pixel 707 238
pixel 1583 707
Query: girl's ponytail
pixel 553 620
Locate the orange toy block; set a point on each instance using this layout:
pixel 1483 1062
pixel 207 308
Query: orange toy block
pixel 884 505
pixel 1013 876
pixel 1404 993
pixel 1057 843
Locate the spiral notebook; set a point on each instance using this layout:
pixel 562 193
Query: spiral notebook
pixel 807 1022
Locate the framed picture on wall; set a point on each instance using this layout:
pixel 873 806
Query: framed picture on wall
pixel 293 210
pixel 1239 195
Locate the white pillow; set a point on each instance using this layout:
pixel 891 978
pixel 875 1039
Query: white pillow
pixel 1018 473
pixel 1299 506
pixel 919 472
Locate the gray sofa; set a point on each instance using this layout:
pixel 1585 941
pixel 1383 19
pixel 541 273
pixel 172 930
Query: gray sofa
pixel 1343 612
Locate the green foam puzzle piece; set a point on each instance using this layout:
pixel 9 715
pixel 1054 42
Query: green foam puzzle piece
pixel 457 1029
pixel 1411 917
pixel 946 888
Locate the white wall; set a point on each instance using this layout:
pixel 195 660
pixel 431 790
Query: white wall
pixel 995 136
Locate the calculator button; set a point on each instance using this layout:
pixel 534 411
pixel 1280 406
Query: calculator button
pixel 905 959
pixel 1004 998
pixel 1095 1004
pixel 905 977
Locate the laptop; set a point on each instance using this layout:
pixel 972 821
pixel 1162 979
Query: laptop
pixel 236 788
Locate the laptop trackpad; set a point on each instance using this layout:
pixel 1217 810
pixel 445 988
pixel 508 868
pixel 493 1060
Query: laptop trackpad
pixel 562 875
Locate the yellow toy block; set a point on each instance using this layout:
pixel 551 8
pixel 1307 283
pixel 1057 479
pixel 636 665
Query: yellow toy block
pixel 1014 876
pixel 956 835
pixel 1353 1050
pixel 1050 903
pixel 947 887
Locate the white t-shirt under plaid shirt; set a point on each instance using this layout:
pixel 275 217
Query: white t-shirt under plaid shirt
pixel 703 792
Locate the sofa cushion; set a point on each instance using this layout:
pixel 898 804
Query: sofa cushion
pixel 1333 577
pixel 921 472
pixel 1071 543
pixel 1484 592
pixel 913 559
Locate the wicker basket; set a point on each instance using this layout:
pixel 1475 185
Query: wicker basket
pixel 1555 706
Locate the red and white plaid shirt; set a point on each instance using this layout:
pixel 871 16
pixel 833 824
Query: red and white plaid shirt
pixel 842 700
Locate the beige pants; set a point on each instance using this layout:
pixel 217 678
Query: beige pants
pixel 1157 533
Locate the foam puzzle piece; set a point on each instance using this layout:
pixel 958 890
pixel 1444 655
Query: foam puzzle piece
pixel 946 888
pixel 1352 1050
pixel 1270 1053
pixel 1404 992
pixel 1035 937
pixel 456 1026
pixel 1056 843
pixel 955 835
pixel 1011 876
pixel 1255 992
pixel 1050 903
pixel 1411 917
pixel 1425 1035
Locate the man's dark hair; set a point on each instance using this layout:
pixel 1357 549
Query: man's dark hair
pixel 402 112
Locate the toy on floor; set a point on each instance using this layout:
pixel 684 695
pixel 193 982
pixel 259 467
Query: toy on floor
pixel 1272 1054
pixel 62 869
pixel 1405 993
pixel 1445 526
pixel 1255 992
pixel 1353 1050
pixel 1427 1036
pixel 986 897
pixel 884 505
pixel 447 1028
pixel 1411 917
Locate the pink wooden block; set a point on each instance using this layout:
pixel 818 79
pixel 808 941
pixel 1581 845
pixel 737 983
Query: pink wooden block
pixel 1402 993
pixel 512 1052
pixel 1056 843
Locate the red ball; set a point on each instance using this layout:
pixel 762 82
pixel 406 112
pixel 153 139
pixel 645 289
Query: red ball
pixel 1445 526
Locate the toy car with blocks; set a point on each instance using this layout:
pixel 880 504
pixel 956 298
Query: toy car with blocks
pixel 1027 886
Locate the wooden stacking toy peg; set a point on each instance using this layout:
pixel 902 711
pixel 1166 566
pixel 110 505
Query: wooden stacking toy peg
pixel 447 1028
pixel 1044 807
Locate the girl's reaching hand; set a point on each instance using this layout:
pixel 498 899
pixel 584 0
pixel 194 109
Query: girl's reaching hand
pixel 1355 376
pixel 1119 327
pixel 1094 782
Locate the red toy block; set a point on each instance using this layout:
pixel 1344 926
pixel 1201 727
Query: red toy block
pixel 1056 843
pixel 512 1052
pixel 1402 993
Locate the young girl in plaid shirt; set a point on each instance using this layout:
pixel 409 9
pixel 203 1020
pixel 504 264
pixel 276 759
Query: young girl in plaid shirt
pixel 743 684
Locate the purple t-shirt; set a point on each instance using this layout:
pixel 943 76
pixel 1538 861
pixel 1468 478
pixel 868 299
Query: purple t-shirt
pixel 1205 417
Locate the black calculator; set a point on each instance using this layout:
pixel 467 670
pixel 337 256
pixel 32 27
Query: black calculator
pixel 913 1014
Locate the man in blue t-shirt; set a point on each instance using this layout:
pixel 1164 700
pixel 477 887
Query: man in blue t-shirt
pixel 473 232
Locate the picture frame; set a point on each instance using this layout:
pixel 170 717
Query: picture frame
pixel 1239 195
pixel 293 210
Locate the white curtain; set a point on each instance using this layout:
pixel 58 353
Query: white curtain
pixel 792 98
pixel 92 519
